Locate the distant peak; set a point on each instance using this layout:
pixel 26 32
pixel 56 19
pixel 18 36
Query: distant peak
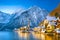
pixel 35 7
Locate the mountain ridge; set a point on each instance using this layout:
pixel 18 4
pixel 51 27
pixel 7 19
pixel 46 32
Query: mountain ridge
pixel 34 15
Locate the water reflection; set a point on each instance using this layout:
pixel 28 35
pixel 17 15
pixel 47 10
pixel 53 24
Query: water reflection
pixel 27 36
pixel 23 36
pixel 37 36
pixel 49 36
pixel 58 37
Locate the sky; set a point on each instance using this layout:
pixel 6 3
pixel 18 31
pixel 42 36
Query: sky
pixel 11 6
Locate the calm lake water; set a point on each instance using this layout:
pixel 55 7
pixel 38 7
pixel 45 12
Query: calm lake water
pixel 26 36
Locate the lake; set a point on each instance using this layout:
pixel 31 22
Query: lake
pixel 17 35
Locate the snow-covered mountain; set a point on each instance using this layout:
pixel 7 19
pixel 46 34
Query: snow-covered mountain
pixel 4 19
pixel 33 15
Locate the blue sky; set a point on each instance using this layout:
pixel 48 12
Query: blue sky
pixel 9 6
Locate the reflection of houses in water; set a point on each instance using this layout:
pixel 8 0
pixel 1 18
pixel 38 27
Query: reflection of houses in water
pixel 47 37
pixel 38 36
pixel 23 35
